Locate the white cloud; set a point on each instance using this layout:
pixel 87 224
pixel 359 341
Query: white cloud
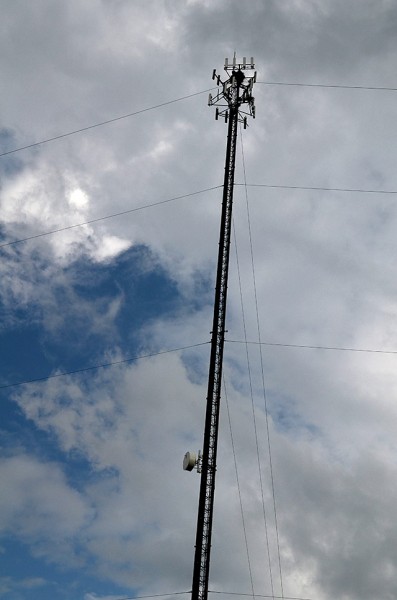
pixel 78 199
pixel 38 501
pixel 38 200
pixel 136 448
pixel 93 596
pixel 8 584
pixel 109 247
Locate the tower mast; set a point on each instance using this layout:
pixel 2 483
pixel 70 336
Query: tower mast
pixel 234 101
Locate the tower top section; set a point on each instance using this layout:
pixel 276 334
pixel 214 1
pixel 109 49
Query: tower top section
pixel 235 92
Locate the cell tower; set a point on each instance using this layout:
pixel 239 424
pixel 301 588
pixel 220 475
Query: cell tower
pixel 234 102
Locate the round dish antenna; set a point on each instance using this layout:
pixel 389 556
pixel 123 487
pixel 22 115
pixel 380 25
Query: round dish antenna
pixel 189 461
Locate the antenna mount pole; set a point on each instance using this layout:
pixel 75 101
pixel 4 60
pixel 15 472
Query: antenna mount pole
pixel 233 101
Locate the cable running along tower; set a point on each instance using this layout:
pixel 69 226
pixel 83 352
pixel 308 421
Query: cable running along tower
pixel 233 102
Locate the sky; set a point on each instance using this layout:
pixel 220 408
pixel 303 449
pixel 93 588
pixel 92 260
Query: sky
pixel 94 503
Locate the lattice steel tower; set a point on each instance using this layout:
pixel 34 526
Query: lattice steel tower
pixel 234 102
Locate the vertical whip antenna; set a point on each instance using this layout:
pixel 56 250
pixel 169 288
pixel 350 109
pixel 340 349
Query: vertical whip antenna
pixel 234 102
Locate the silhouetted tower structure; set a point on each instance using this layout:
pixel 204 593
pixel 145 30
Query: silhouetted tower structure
pixel 234 102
